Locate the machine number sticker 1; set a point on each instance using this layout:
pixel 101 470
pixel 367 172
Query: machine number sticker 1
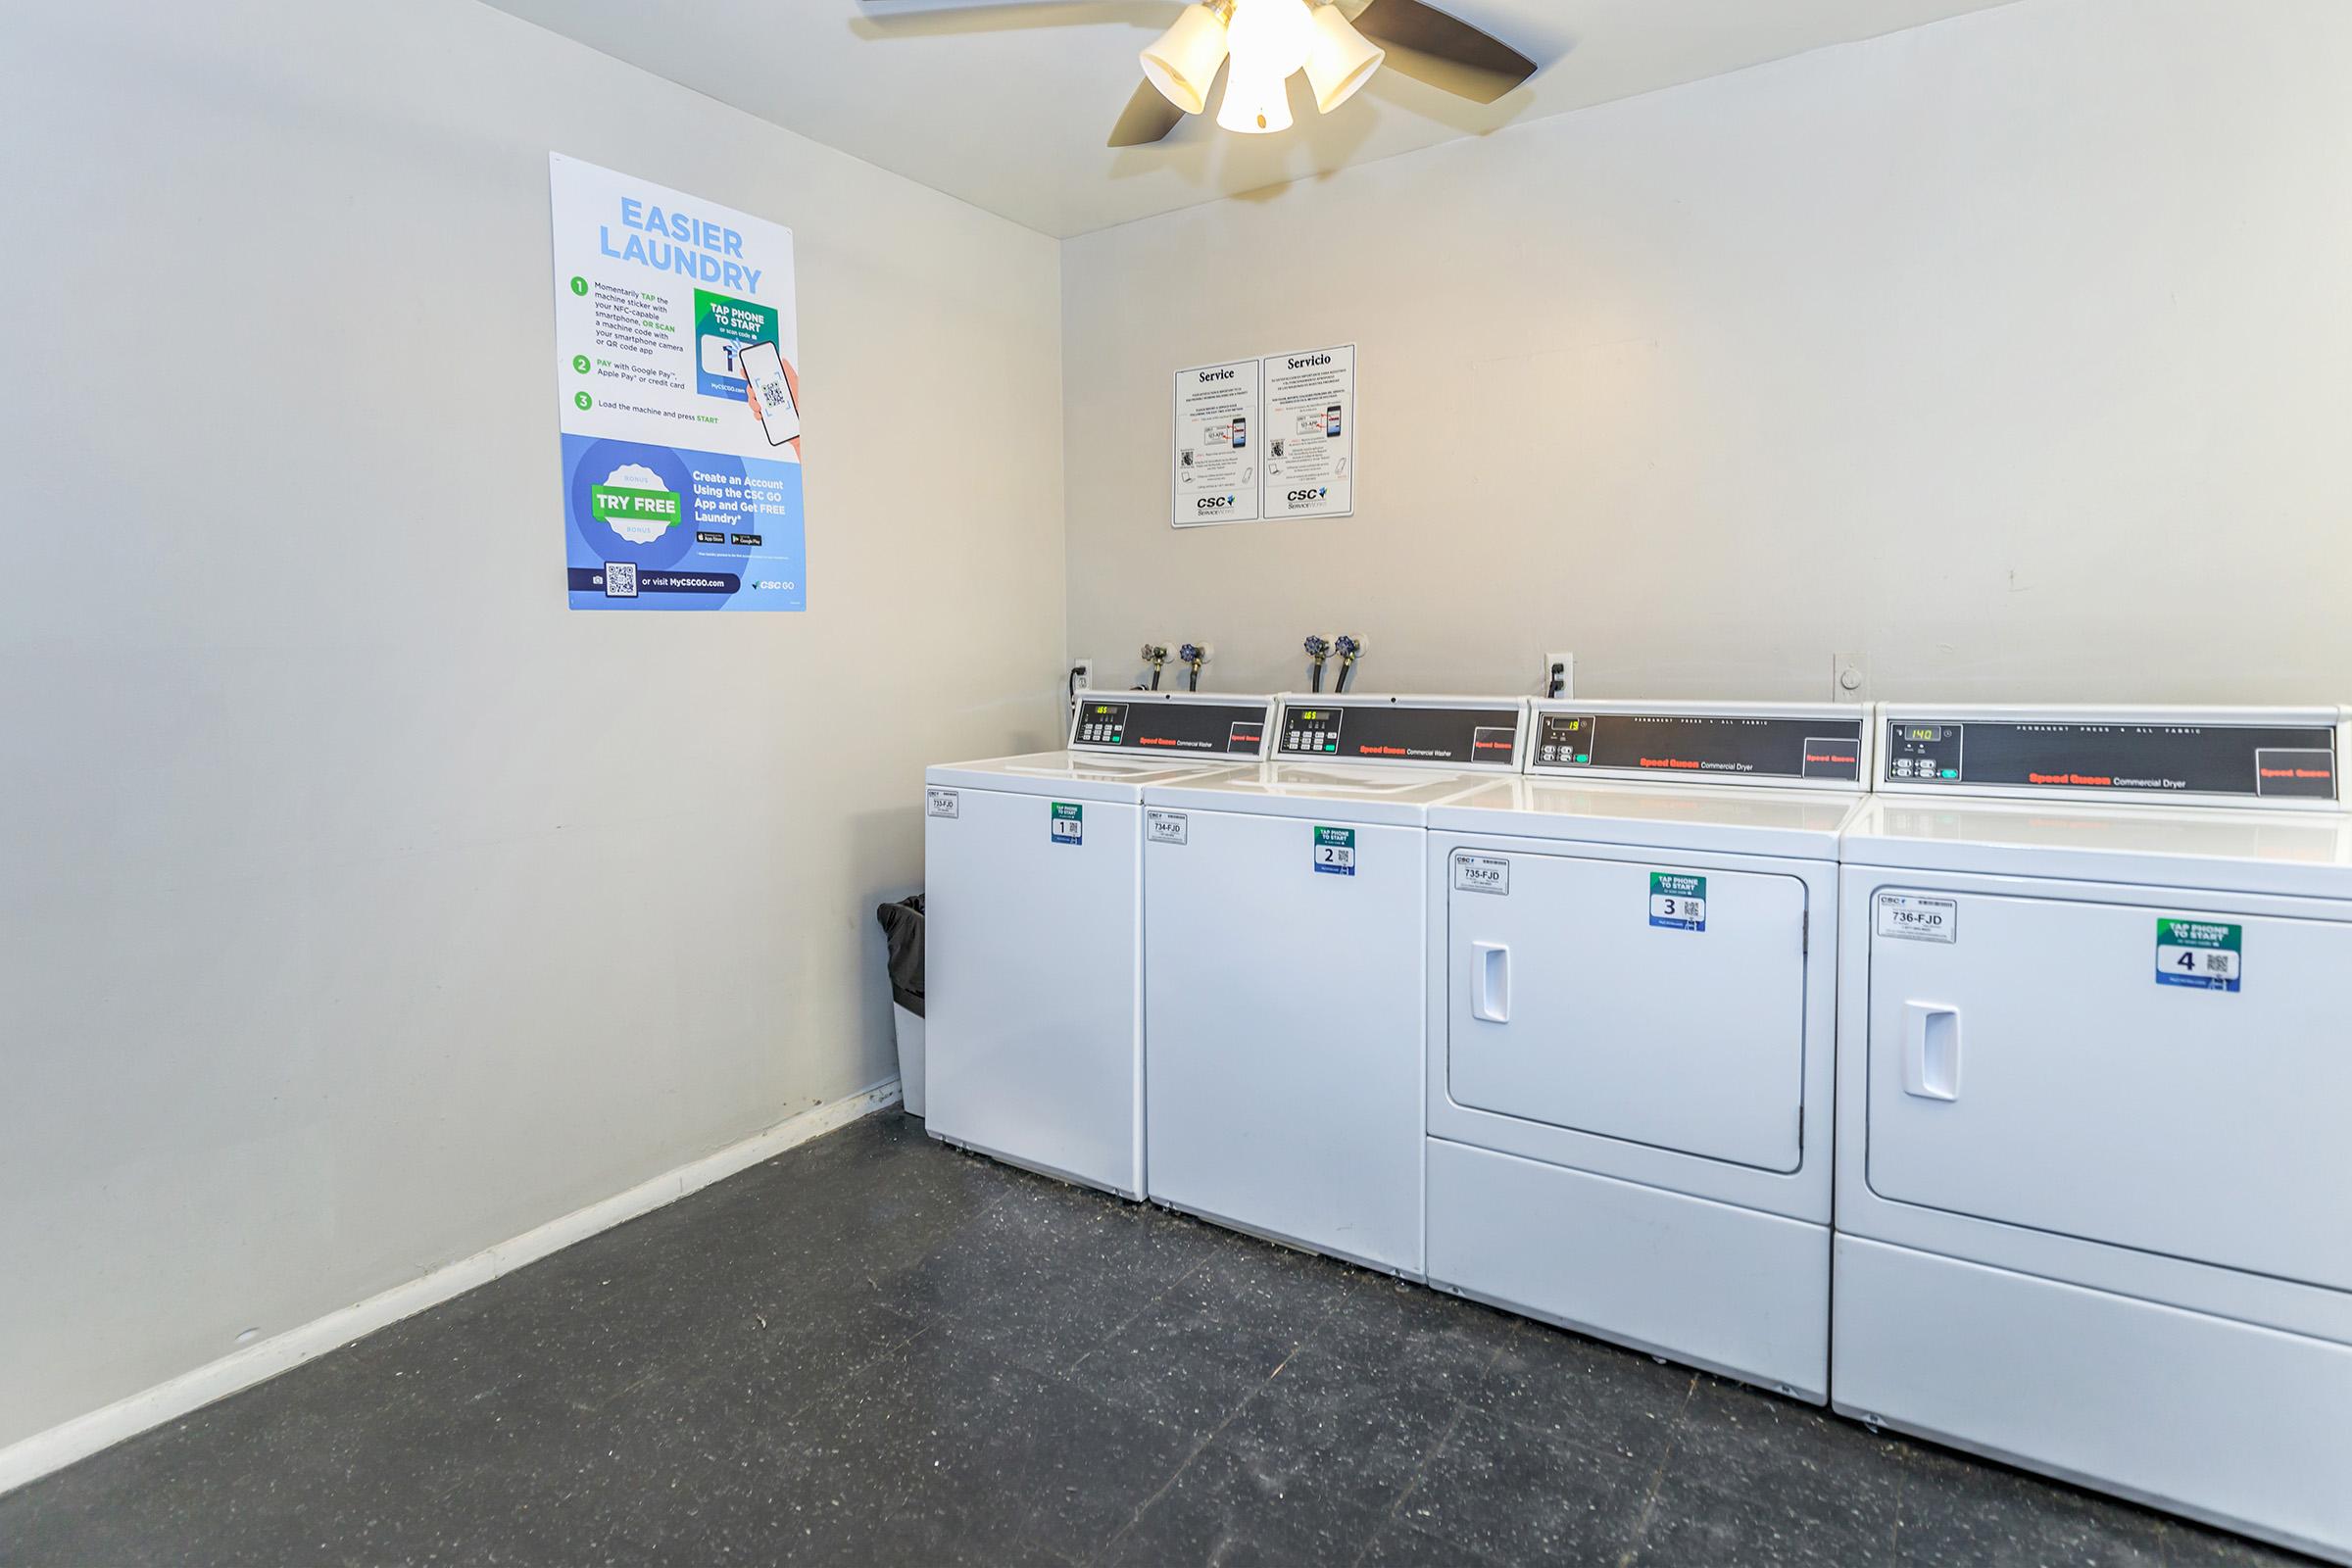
pixel 2204 954
pixel 1335 851
pixel 1678 901
pixel 1068 823
pixel 1918 919
pixel 942 803
pixel 1482 873
pixel 1167 827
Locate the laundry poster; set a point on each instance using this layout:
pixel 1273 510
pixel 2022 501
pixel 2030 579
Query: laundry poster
pixel 678 371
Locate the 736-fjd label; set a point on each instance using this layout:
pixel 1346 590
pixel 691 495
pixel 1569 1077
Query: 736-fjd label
pixel 1067 823
pixel 1335 851
pixel 2205 954
pixel 1916 918
pixel 1678 900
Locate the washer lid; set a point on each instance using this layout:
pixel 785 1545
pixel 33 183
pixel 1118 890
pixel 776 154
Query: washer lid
pixel 2306 853
pixel 1798 824
pixel 1370 794
pixel 1077 775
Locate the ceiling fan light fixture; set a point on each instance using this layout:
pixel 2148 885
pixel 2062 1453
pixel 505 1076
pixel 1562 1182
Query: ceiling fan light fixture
pixel 1182 62
pixel 1341 60
pixel 1256 102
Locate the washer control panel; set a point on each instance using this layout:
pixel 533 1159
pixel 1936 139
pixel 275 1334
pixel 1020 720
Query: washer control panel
pixel 1389 729
pixel 1171 722
pixel 2129 754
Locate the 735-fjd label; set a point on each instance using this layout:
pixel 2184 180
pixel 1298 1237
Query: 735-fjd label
pixel 1482 873
pixel 1335 851
pixel 1067 823
pixel 1678 900
pixel 2205 954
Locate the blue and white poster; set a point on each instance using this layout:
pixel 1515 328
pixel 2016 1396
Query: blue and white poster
pixel 677 354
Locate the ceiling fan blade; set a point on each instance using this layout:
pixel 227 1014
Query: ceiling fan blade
pixel 1444 51
pixel 1148 119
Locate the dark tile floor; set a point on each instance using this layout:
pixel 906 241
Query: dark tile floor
pixel 873 1350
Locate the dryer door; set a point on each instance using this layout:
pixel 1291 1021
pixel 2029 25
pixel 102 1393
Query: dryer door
pixel 1658 1003
pixel 2170 1077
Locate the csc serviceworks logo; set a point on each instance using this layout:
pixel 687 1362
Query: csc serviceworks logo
pixel 1212 503
pixel 1300 498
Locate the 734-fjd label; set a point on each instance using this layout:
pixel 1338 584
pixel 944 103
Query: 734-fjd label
pixel 1678 900
pixel 942 803
pixel 1067 825
pixel 1335 851
pixel 1167 827
pixel 2205 954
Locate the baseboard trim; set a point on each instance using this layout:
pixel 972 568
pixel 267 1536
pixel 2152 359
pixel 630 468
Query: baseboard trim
pixel 30 1459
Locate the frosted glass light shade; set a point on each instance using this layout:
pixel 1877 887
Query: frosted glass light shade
pixel 1256 104
pixel 1182 62
pixel 1341 60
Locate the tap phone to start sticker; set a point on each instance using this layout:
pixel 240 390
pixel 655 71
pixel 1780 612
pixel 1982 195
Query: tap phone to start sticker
pixel 771 393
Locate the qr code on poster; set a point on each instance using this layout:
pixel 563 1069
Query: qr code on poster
pixel 621 579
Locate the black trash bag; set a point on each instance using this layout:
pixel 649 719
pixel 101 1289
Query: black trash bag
pixel 902 927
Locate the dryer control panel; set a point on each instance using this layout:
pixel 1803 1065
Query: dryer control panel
pixel 1452 732
pixel 1168 722
pixel 2245 756
pixel 1818 745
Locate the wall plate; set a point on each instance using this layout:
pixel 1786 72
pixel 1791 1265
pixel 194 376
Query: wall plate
pixel 1849 682
pixel 1567 663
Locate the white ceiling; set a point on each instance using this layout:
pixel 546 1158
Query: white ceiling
pixel 1006 105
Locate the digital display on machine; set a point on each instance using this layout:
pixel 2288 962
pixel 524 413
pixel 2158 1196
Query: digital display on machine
pixel 1395 733
pixel 1703 745
pixel 1229 729
pixel 2243 760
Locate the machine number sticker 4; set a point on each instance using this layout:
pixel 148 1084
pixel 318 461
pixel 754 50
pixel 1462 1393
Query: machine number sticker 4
pixel 1678 901
pixel 1919 919
pixel 1167 827
pixel 942 803
pixel 2204 954
pixel 1335 851
pixel 1068 823
pixel 1482 873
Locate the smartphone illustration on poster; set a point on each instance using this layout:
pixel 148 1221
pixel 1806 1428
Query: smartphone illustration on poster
pixel 1241 432
pixel 1330 420
pixel 771 392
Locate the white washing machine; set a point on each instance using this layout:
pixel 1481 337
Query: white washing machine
pixel 1034 930
pixel 2094 1105
pixel 1632 1028
pixel 1283 992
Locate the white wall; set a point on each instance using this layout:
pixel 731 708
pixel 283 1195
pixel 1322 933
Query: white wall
pixel 2013 353
pixel 365 906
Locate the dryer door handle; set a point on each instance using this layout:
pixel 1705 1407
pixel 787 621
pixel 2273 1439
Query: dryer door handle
pixel 1931 1050
pixel 1490 981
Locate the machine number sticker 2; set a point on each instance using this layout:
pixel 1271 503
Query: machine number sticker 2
pixel 1167 827
pixel 1917 920
pixel 1482 873
pixel 1678 900
pixel 2204 954
pixel 1068 823
pixel 1335 851
pixel 942 803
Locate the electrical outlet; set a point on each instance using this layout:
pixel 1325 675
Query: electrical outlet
pixel 1565 663
pixel 1085 673
pixel 1849 682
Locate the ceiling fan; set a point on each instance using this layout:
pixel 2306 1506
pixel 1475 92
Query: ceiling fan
pixel 1339 43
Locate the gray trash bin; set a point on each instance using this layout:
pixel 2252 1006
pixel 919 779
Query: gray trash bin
pixel 903 928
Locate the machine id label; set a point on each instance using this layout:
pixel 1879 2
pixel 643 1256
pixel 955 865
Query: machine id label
pixel 2205 954
pixel 1917 920
pixel 1678 901
pixel 1067 823
pixel 1335 851
pixel 1167 827
pixel 1482 873
pixel 942 803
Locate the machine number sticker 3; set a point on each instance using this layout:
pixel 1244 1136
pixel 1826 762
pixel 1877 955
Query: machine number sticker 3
pixel 1068 823
pixel 1335 851
pixel 942 803
pixel 1917 920
pixel 1678 900
pixel 2205 954
pixel 1482 873
pixel 1167 827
